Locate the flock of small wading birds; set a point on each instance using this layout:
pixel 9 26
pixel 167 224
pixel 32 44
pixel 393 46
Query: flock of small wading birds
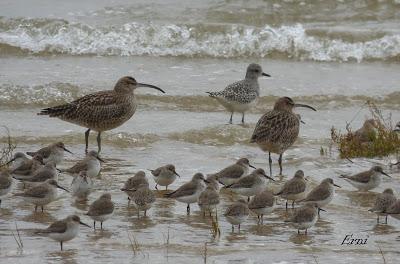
pixel 275 132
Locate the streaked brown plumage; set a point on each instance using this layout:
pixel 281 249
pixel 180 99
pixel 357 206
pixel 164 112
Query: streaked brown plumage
pixel 382 203
pixel 278 129
pixel 208 200
pixel 305 217
pixel 101 111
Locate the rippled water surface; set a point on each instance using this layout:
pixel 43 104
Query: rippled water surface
pixel 334 55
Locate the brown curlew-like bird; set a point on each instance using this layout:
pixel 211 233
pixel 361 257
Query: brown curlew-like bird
pixel 278 129
pixel 101 111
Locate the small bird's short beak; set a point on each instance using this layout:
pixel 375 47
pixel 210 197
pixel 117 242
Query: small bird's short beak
pixel 306 106
pixel 384 173
pixel 100 159
pixel 265 74
pixel 177 174
pixel 84 224
pixel 251 166
pixel 67 150
pixel 337 185
pixel 62 188
pixel 150 86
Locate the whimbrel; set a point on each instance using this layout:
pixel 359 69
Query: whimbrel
pixel 278 129
pixel 241 96
pixel 101 111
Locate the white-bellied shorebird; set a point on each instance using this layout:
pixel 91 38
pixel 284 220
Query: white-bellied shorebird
pixel 251 184
pixel 28 167
pixel 101 209
pixel 6 182
pixel 321 194
pixel 81 186
pixel 164 175
pixel 189 192
pixel 208 200
pixel 91 164
pixel 101 111
pixel 17 160
pixel 278 129
pixel 133 183
pixel 143 198
pixel 294 189
pixel 42 194
pixel 262 204
pixel 382 203
pixel 242 95
pixel 63 230
pixel 237 213
pixel 53 152
pixel 234 172
pixel 305 217
pixel 366 180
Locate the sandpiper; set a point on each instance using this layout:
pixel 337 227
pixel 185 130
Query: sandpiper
pixel 251 184
pixel 261 204
pixel 63 230
pixel 42 194
pixel 164 175
pixel 42 174
pixel 101 111
pixel 394 210
pixel 5 183
pixel 91 164
pixel 242 95
pixel 208 200
pixel 382 203
pixel 133 183
pixel 368 131
pixel 321 194
pixel 278 129
pixel 144 198
pixel 28 167
pixel 189 192
pixel 212 181
pixel 237 213
pixel 81 186
pixel 305 217
pixel 53 152
pixel 294 189
pixel 366 180
pixel 101 209
pixel 234 172
pixel 17 160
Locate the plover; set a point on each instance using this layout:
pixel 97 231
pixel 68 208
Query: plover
pixel 382 203
pixel 101 111
pixel 294 189
pixel 278 129
pixel 242 95
pixel 91 164
pixel 164 175
pixel 234 172
pixel 366 180
pixel 101 209
pixel 262 204
pixel 237 213
pixel 305 217
pixel 53 152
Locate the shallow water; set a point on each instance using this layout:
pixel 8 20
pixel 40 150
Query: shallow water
pixel 311 57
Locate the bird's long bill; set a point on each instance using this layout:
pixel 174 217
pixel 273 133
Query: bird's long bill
pixel 266 176
pixel 68 151
pixel 100 159
pixel 337 185
pixel 62 188
pixel 11 160
pixel 384 173
pixel 251 166
pixel 306 106
pixel 265 74
pixel 150 86
pixel 321 209
pixel 177 174
pixel 84 224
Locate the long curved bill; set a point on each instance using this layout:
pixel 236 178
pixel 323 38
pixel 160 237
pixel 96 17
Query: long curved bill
pixel 11 160
pixel 84 224
pixel 150 86
pixel 62 188
pixel 384 173
pixel 305 106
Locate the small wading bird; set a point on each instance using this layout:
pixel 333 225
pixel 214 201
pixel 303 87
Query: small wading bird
pixel 164 175
pixel 53 152
pixel 101 111
pixel 366 180
pixel 382 204
pixel 278 129
pixel 242 95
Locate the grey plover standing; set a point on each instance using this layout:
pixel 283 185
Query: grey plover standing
pixel 101 111
pixel 237 213
pixel 53 152
pixel 294 189
pixel 305 217
pixel 63 230
pixel 101 209
pixel 91 164
pixel 5 183
pixel 189 192
pixel 164 175
pixel 42 194
pixel 382 203
pixel 262 204
pixel 251 184
pixel 133 183
pixel 28 167
pixel 81 186
pixel 278 129
pixel 143 198
pixel 234 172
pixel 208 200
pixel 394 210
pixel 321 194
pixel 17 160
pixel 366 180
pixel 242 95
pixel 367 132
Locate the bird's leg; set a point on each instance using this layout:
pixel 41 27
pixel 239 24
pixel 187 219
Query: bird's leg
pixel 156 187
pixel 145 212
pixel 306 231
pixel 248 198
pixel 270 163
pixel 101 225
pixel 377 219
pixel 319 211
pixel 298 231
pixel 243 118
pixel 233 229
pixel 239 228
pixel 280 164
pixel 166 188
pixel 94 225
pixel 188 209
pixel 262 219
pixel 42 208
pixel 35 208
pixel 293 204
pixel 61 245
pixel 230 120
pixel 286 204
pixel 129 201
pixel 386 219
pixel 99 142
pixel 87 140
pixel 0 202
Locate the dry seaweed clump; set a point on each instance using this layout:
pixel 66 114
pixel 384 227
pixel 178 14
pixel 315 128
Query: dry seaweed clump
pixel 376 138
pixel 6 146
